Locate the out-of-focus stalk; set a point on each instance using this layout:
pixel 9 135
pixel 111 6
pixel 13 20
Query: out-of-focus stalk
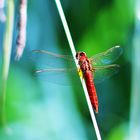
pixel 135 91
pixel 6 56
pixel 21 39
pixel 2 14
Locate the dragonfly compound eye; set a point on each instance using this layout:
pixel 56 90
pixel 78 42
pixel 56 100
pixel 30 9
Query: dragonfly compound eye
pixel 82 54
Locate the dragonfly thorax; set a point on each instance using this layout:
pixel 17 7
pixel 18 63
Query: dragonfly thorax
pixel 83 61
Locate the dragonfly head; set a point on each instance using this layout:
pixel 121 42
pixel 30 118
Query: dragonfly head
pixel 80 54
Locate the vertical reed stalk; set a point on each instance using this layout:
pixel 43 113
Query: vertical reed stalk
pixel 6 57
pixel 71 44
pixel 135 89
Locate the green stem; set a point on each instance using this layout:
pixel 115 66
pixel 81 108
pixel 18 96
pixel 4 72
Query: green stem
pixel 135 89
pixel 6 56
pixel 72 47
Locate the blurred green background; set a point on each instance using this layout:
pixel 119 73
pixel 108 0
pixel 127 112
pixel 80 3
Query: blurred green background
pixel 41 110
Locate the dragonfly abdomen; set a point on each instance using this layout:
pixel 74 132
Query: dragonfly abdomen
pixel 91 89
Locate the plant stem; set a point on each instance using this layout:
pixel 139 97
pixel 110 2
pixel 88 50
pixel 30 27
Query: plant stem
pixel 21 39
pixel 135 90
pixel 6 56
pixel 2 14
pixel 71 44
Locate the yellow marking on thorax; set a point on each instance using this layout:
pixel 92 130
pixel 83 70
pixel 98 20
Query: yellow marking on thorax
pixel 80 73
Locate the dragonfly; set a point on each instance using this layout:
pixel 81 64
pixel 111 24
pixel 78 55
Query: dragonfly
pixel 94 69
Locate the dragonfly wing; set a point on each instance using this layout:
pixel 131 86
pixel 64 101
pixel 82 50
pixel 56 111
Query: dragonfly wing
pixel 102 73
pixel 43 58
pixel 50 66
pixel 107 57
pixel 67 57
pixel 60 76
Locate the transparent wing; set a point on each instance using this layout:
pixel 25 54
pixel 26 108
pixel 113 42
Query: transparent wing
pixel 52 67
pixel 61 76
pixel 101 73
pixel 107 57
pixel 52 70
pixel 67 57
pixel 44 58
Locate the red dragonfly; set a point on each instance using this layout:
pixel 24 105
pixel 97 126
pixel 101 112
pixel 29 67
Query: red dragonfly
pixel 94 69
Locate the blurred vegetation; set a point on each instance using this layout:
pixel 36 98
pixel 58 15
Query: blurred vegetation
pixel 39 110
